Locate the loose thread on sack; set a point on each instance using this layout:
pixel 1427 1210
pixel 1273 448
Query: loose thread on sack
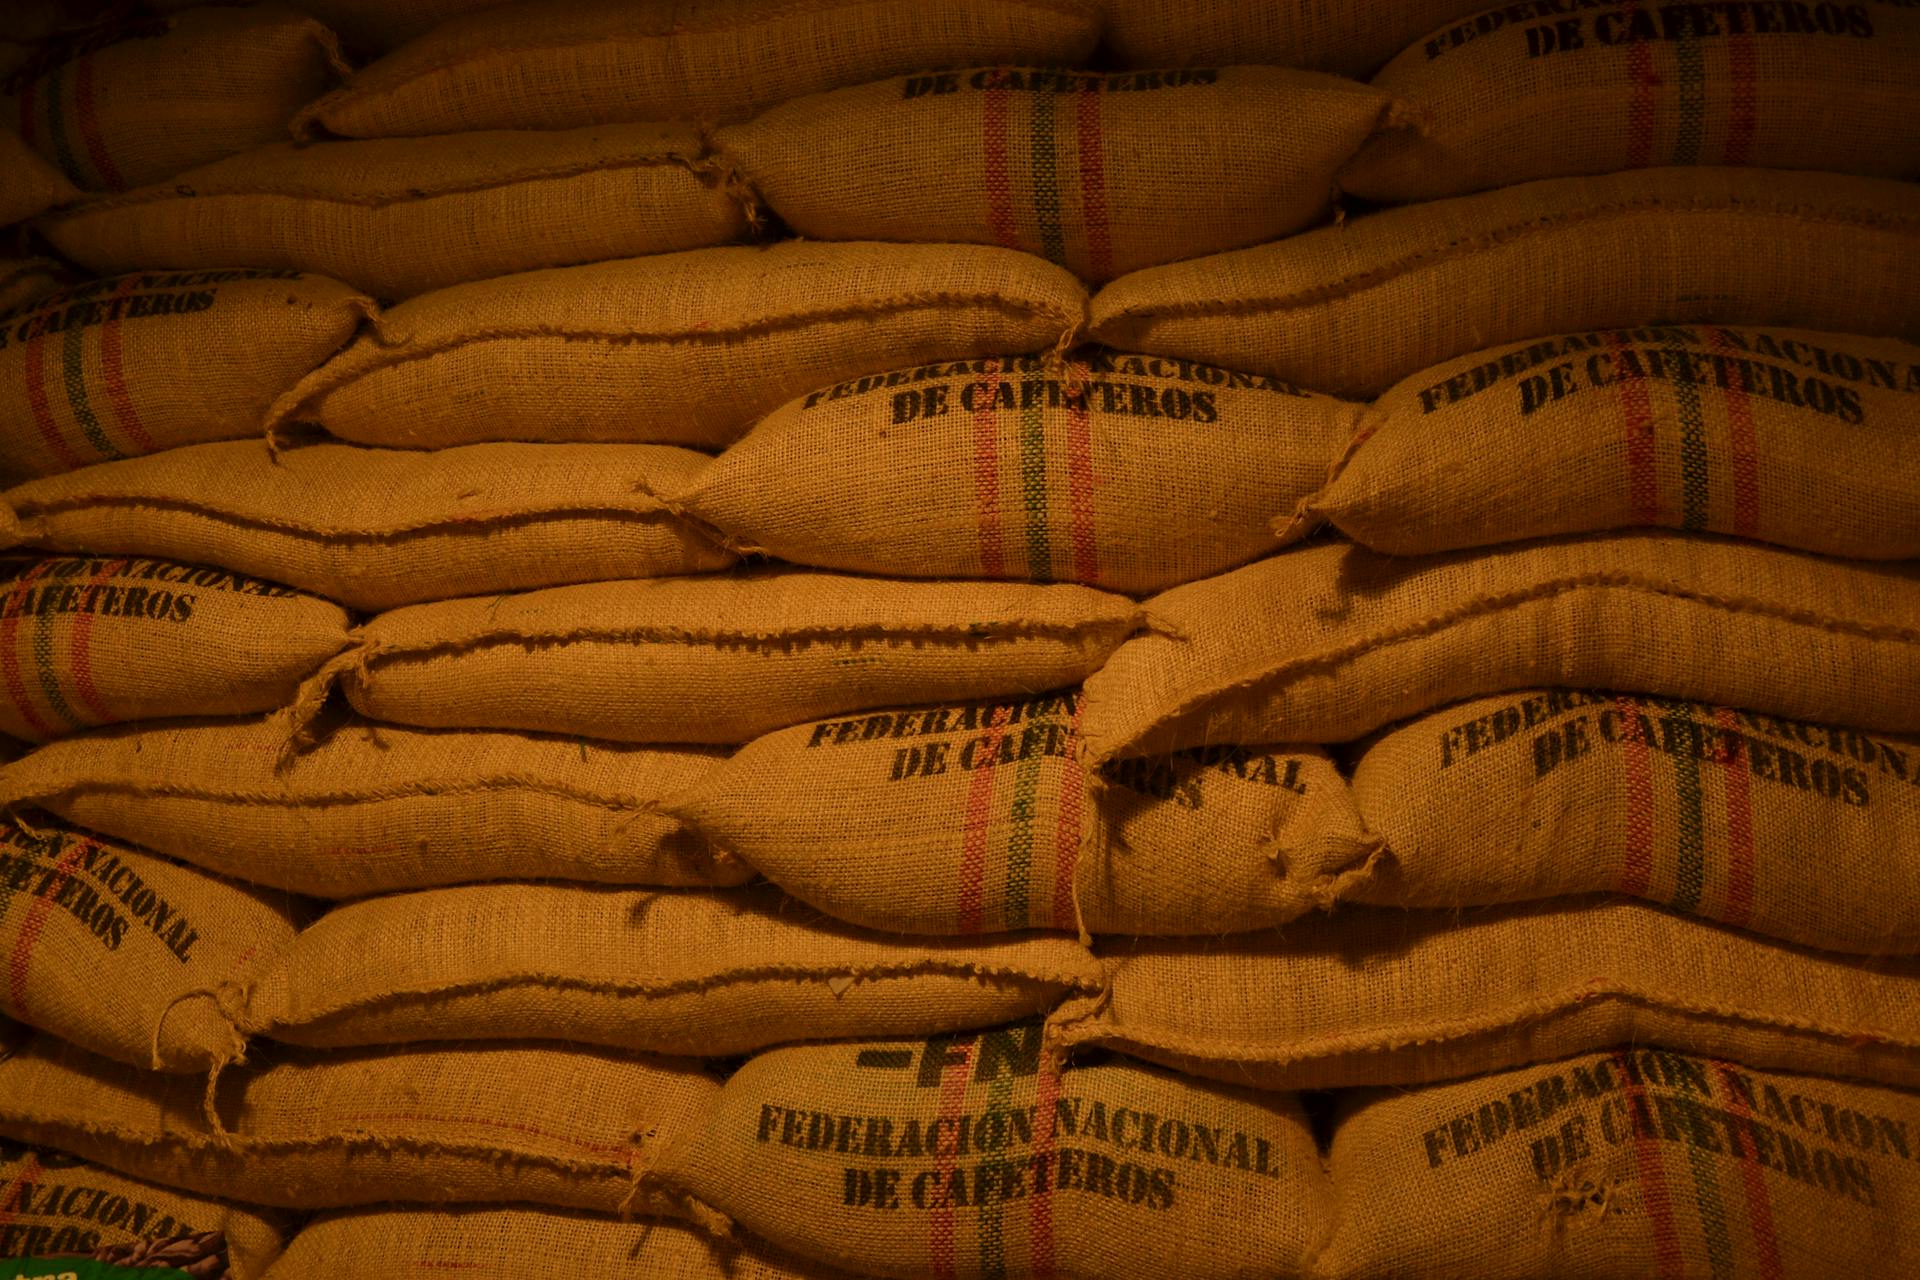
pixel 1307 513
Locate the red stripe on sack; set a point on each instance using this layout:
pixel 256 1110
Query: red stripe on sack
pixel 1740 866
pixel 1093 185
pixel 82 651
pixel 90 125
pixel 10 649
pixel 1741 113
pixel 1653 1181
pixel 1086 551
pixel 1636 407
pixel 12 1192
pixel 113 370
pixel 1744 447
pixel 1640 103
pixel 1067 835
pixel 1636 866
pixel 995 107
pixel 1759 1204
pixel 21 961
pixel 953 1098
pixel 986 477
pixel 1040 1232
pixel 971 913
pixel 36 371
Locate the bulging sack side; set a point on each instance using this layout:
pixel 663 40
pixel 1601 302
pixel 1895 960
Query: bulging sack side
pixel 1132 473
pixel 1349 40
pixel 31 186
pixel 685 348
pixel 402 216
pixel 1780 435
pixel 705 973
pixel 442 1124
pixel 1707 810
pixel 1638 1161
pixel 91 641
pixel 979 818
pixel 380 528
pixel 112 1213
pixel 1352 309
pixel 520 1242
pixel 1330 641
pixel 1106 177
pixel 973 1156
pixel 1389 997
pixel 602 61
pixel 1551 93
pixel 24 280
pixel 377 808
pixel 723 659
pixel 146 100
pixel 153 361
pixel 127 954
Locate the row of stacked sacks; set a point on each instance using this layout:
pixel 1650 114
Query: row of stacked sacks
pixel 543 828
pixel 973 1154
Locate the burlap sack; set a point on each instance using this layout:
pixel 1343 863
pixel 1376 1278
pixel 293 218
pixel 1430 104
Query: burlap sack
pixel 583 62
pixel 726 658
pixel 978 818
pixel 1110 173
pixel 378 528
pixel 118 368
pixel 1127 472
pixel 519 1243
pixel 1351 310
pixel 127 954
pixel 705 973
pixel 1346 38
pixel 375 808
pixel 141 102
pixel 54 1204
pixel 1378 996
pixel 1637 1162
pixel 453 1123
pixel 26 280
pixel 28 184
pixel 1552 91
pixel 1797 438
pixel 687 348
pixel 87 641
pixel 401 216
pixel 1328 642
pixel 1706 810
pixel 971 1156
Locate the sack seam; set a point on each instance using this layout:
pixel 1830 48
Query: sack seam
pixel 1485 241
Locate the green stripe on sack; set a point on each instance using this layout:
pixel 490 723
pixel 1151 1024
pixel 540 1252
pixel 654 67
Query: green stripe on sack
pixel 1019 897
pixel 73 376
pixel 54 88
pixel 1713 1213
pixel 1689 852
pixel 43 665
pixel 1033 490
pixel 1695 498
pixel 1046 180
pixel 993 1240
pixel 1693 100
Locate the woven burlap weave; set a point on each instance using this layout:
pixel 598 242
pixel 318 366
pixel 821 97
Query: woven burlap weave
pixel 378 808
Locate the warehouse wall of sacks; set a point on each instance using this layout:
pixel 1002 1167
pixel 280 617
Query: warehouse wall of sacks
pixel 974 638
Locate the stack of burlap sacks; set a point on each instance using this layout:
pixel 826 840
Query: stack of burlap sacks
pixel 740 640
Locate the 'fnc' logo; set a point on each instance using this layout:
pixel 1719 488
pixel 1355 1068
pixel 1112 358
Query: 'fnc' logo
pixel 1004 1051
